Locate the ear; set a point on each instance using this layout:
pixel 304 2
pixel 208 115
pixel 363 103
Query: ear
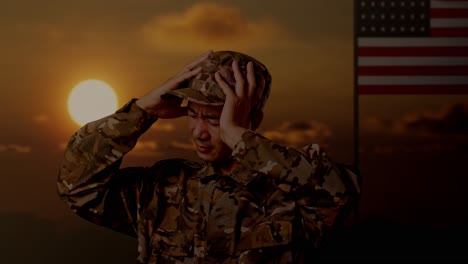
pixel 256 119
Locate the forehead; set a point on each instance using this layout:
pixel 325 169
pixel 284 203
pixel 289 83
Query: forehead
pixel 205 109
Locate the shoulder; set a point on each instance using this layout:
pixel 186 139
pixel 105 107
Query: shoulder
pixel 312 151
pixel 351 176
pixel 347 173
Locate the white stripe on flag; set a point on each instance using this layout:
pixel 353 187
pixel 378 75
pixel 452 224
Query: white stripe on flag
pixel 412 42
pixel 412 61
pixel 452 23
pixel 449 4
pixel 412 80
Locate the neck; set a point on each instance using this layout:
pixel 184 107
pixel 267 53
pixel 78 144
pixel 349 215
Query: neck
pixel 225 166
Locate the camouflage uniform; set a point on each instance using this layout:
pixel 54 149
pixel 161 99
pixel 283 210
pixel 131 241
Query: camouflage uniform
pixel 275 206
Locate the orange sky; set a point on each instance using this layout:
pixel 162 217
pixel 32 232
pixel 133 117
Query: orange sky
pixel 47 47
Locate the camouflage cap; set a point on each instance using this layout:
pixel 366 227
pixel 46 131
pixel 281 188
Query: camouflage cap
pixel 204 89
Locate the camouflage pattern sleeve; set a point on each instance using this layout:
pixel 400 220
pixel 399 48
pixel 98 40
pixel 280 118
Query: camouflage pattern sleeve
pixel 322 189
pixel 89 174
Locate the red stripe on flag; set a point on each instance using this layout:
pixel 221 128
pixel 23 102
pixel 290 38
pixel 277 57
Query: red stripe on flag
pixel 449 13
pixel 449 32
pixel 413 51
pixel 412 70
pixel 412 89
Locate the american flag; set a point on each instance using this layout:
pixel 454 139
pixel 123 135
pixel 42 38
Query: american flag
pixel 411 46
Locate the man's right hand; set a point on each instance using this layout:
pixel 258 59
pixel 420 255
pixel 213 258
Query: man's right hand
pixel 170 107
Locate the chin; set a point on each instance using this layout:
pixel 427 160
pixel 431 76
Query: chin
pixel 206 157
pixel 212 157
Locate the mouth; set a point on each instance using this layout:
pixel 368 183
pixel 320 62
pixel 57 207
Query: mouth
pixel 204 149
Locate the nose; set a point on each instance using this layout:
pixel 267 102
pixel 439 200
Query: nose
pixel 199 130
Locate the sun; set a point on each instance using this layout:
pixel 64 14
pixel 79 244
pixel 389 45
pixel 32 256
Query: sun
pixel 91 100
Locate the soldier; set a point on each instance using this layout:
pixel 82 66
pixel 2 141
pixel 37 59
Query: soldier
pixel 251 200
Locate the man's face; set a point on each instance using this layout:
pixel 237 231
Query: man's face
pixel 203 123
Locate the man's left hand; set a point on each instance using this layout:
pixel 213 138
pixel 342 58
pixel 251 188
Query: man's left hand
pixel 234 120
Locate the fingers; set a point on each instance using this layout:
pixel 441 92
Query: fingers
pixel 197 61
pixel 222 83
pixel 240 87
pixel 251 79
pixel 186 75
pixel 239 79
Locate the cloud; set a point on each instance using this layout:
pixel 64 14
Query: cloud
pixel 298 134
pixel 449 120
pixel 210 25
pixel 182 145
pixel 15 148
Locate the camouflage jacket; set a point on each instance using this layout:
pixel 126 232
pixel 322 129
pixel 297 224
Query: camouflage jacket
pixel 275 207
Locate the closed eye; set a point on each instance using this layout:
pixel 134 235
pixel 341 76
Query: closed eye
pixel 214 122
